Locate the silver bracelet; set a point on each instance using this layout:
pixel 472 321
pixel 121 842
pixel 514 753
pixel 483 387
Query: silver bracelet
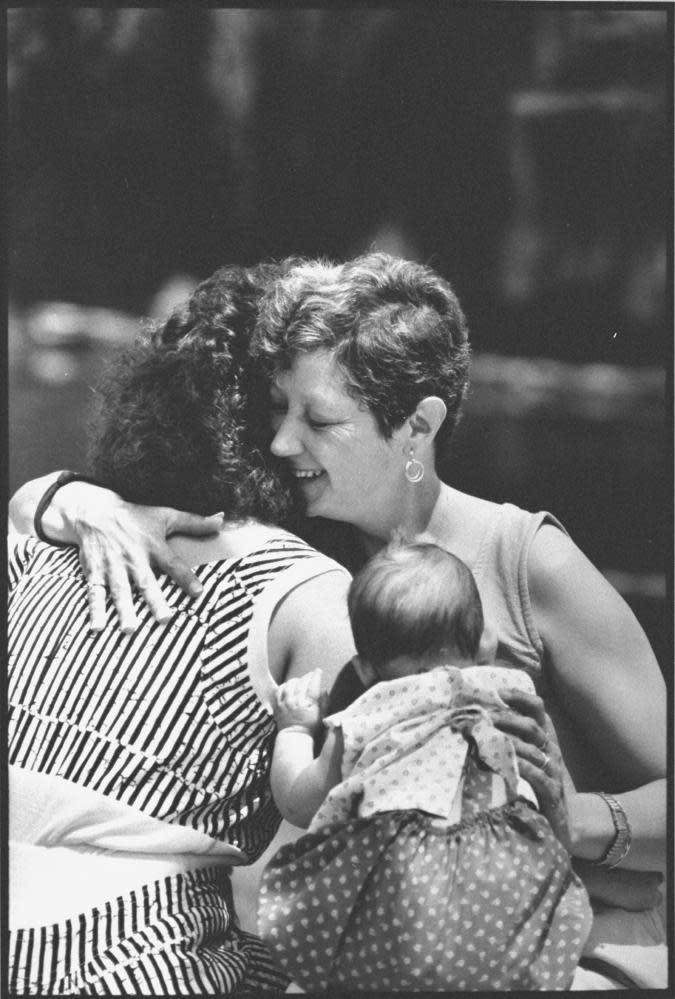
pixel 623 834
pixel 298 729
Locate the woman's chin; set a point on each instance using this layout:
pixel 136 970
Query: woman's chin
pixel 313 508
pixel 312 494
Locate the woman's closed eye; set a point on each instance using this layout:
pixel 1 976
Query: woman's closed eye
pixel 277 413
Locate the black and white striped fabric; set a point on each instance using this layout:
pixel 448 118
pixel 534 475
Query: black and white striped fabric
pixel 164 720
pixel 174 937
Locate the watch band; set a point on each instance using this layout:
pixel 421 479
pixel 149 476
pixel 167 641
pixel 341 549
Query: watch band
pixel 623 836
pixel 62 480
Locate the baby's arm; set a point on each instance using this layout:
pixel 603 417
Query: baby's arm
pixel 300 782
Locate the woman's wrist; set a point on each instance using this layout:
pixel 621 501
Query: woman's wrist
pixel 592 829
pixel 60 509
pixel 62 520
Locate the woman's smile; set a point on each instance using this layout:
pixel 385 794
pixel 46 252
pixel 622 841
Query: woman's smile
pixel 344 467
pixel 306 473
pixel 311 481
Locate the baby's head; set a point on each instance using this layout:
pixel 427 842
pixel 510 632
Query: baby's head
pixel 413 606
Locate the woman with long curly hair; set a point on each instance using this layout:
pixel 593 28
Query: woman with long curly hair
pixel 140 758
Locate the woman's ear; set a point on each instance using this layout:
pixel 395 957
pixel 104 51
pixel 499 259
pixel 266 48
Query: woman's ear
pixel 429 414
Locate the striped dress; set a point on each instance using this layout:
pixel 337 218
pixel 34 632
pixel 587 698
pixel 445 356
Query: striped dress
pixel 139 774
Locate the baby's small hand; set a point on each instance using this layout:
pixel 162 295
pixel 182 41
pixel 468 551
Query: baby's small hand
pixel 299 702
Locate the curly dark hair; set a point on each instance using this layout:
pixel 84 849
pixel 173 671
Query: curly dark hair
pixel 396 327
pixel 183 416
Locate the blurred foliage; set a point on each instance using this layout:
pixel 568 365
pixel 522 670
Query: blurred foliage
pixel 145 142
pixel 522 150
pixel 106 139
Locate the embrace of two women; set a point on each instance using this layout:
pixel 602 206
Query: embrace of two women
pixel 250 454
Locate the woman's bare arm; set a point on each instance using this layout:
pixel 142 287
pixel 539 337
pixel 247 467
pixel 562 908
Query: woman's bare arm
pixel 23 504
pixel 309 641
pixel 310 629
pixel 603 672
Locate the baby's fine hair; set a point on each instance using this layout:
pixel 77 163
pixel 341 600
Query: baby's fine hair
pixel 414 599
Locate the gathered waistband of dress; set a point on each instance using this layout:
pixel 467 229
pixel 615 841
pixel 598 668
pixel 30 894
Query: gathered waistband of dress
pixel 51 883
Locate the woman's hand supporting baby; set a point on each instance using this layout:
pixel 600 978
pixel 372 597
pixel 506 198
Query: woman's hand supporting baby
pixel 539 759
pixel 541 765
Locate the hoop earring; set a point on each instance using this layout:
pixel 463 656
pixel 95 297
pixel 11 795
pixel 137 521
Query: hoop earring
pixel 414 469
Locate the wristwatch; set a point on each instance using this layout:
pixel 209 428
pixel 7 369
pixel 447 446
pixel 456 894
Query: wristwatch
pixel 623 836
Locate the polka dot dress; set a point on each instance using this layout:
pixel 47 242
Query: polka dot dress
pixel 395 903
pixel 402 900
pixel 406 741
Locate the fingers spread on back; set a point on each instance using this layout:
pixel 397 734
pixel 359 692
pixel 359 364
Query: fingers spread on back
pixel 179 571
pixel 120 592
pixel 151 592
pixel 94 574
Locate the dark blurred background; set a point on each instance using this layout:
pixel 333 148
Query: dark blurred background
pixel 523 150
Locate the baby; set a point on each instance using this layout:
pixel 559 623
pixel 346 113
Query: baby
pixel 427 865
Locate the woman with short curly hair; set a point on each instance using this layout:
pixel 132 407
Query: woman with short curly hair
pixel 368 374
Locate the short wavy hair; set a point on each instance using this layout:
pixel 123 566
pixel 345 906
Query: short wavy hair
pixel 397 330
pixel 182 418
pixel 414 599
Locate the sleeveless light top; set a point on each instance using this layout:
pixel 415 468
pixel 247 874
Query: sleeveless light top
pixel 632 942
pixel 500 570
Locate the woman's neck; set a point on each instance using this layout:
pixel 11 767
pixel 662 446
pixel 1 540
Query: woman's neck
pixel 236 538
pixel 414 517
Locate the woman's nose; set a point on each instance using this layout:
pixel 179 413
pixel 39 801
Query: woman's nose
pixel 285 442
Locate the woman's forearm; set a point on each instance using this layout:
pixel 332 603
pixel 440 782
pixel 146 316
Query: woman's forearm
pixel 592 827
pixel 60 517
pixel 23 504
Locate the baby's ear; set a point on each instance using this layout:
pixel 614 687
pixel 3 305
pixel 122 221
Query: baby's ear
pixel 364 671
